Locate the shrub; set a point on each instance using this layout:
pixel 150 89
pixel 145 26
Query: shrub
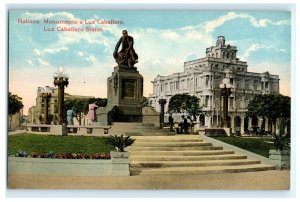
pixel 34 155
pixel 43 155
pixel 87 156
pixel 79 156
pixel 282 141
pixel 21 154
pixel 50 154
pixel 120 142
pixel 96 156
pixel 69 156
pixel 60 156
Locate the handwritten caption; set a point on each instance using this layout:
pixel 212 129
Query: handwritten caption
pixel 91 25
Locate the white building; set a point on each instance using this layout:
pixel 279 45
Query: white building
pixel 202 78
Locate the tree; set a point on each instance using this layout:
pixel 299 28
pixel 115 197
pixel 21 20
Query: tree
pixel 185 103
pixel 272 106
pixel 81 106
pixel 15 104
pixel 145 102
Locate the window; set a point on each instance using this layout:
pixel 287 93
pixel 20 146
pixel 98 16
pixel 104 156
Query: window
pixel 206 100
pixel 267 85
pixel 206 79
pixel 231 102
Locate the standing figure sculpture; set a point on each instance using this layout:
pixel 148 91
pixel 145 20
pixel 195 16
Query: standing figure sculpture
pixel 91 116
pixel 70 115
pixel 126 56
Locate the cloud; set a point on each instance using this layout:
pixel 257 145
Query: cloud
pixel 42 62
pixel 80 53
pixel 54 50
pixel 30 62
pixel 37 52
pixel 256 47
pixel 210 26
pixel 41 16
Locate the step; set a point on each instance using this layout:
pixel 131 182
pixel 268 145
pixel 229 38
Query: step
pixel 202 170
pixel 160 133
pixel 171 144
pixel 165 140
pixel 206 163
pixel 180 153
pixel 169 138
pixel 185 158
pixel 138 148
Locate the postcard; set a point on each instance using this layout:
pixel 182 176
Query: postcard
pixel 149 99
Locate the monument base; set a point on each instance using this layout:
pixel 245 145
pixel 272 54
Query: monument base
pixel 124 97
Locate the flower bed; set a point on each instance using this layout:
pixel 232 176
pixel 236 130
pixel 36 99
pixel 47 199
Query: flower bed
pixel 51 154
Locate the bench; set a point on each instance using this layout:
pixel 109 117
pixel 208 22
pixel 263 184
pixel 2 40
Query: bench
pixel 45 128
pixel 89 129
pixel 38 127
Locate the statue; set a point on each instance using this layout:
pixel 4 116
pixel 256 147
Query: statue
pixel 91 116
pixel 70 115
pixel 127 56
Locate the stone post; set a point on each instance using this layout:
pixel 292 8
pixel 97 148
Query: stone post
pixel 242 125
pixel 162 103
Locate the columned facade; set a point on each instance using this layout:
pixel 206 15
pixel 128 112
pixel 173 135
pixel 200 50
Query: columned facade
pixel 202 78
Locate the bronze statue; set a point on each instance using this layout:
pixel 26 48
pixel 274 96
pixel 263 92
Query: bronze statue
pixel 127 56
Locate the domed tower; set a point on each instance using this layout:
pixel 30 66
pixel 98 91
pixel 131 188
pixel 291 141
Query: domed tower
pixel 220 41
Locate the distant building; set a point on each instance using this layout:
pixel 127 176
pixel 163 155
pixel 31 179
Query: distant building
pixel 202 78
pixel 15 120
pixel 36 113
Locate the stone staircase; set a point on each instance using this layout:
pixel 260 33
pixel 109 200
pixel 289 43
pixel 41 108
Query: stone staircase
pixel 186 154
pixel 136 129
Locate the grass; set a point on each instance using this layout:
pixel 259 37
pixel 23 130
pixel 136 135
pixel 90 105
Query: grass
pixel 45 143
pixel 260 146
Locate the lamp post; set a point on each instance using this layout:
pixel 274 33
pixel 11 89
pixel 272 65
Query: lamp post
pixel 61 79
pixel 162 103
pixel 46 94
pixel 225 92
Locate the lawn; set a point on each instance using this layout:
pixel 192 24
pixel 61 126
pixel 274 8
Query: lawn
pixel 260 146
pixel 57 144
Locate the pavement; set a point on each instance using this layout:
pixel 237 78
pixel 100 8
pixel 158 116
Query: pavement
pixel 263 180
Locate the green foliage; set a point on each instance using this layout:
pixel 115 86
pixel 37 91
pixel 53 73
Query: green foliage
pixel 81 106
pixel 281 140
pixel 14 103
pixel 182 102
pixel 120 142
pixel 58 144
pixel 272 106
pixel 260 146
pixel 145 102
pixel 21 153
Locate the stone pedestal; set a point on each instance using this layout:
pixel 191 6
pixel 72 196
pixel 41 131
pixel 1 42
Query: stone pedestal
pixel 124 97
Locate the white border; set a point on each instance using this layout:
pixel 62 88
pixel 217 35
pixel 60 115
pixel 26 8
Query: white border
pixel 113 4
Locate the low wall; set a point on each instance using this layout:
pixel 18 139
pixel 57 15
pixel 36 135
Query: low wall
pixel 68 167
pixel 238 150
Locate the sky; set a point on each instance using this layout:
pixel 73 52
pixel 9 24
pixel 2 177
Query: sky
pixel 164 40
